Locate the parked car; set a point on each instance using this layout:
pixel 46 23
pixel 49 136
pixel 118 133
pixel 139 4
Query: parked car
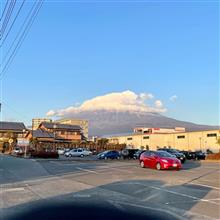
pixel 159 160
pixel 174 152
pixel 109 154
pixel 17 150
pixel 137 154
pixel 197 155
pixel 200 155
pixel 80 152
pixel 128 153
pixel 189 155
pixel 60 151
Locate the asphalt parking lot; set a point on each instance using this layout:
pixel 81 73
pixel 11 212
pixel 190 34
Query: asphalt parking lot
pixel 121 188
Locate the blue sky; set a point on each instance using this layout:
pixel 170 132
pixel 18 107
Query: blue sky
pixel 78 50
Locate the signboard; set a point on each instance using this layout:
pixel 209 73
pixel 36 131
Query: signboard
pixel 22 142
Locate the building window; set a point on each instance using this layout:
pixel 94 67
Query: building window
pixel 181 136
pixel 212 135
pixel 146 137
pixel 62 132
pixel 129 139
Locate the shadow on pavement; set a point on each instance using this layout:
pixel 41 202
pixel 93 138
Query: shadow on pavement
pixel 191 164
pixel 130 200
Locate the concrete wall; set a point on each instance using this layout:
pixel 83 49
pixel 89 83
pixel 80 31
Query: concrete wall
pixel 198 140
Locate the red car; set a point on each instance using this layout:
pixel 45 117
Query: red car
pixel 159 160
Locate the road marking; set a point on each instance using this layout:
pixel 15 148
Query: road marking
pixel 150 197
pixel 12 190
pixel 87 170
pixel 34 192
pixel 216 199
pixel 199 184
pixel 183 194
pixel 81 196
pixel 208 186
pixel 120 169
pixel 180 194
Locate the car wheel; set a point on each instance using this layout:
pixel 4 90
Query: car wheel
pixel 69 155
pixel 105 158
pixel 158 166
pixel 81 155
pixel 118 158
pixel 142 164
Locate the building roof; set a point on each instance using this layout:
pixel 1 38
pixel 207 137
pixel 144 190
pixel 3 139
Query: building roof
pixel 60 126
pixel 12 126
pixel 174 133
pixel 41 134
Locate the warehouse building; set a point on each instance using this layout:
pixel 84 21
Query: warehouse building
pixel 195 140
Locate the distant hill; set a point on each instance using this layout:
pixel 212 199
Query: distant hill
pixel 118 122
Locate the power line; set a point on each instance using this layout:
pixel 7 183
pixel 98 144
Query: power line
pixel 7 18
pixel 22 36
pixel 4 10
pixel 22 116
pixel 16 16
pixel 18 34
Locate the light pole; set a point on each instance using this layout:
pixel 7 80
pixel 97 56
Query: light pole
pixel 25 146
pixel 54 134
pixel 200 139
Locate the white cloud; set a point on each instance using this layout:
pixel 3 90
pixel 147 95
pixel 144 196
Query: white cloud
pixel 173 98
pixel 158 104
pixel 118 101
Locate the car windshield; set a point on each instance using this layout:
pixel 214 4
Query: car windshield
pixel 105 152
pixel 163 154
pixel 172 151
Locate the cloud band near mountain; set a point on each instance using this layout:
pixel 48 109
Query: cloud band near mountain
pixel 118 101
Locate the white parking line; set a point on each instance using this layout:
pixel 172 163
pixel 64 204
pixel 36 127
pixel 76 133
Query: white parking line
pixel 184 195
pixel 86 170
pixel 208 186
pixel 198 184
pixel 121 170
pixel 180 194
pixel 12 190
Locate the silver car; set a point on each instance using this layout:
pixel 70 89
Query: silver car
pixel 80 152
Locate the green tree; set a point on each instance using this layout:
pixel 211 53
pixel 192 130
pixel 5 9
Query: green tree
pixel 103 141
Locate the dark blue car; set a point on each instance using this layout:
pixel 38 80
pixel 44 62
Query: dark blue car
pixel 109 154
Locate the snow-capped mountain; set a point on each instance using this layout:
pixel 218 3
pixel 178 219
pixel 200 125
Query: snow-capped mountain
pixel 104 122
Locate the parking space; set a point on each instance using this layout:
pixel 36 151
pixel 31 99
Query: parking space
pixel 191 193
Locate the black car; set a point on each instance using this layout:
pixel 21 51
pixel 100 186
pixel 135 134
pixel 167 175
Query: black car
pixel 189 155
pixel 138 154
pixel 199 155
pixel 176 153
pixel 128 153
